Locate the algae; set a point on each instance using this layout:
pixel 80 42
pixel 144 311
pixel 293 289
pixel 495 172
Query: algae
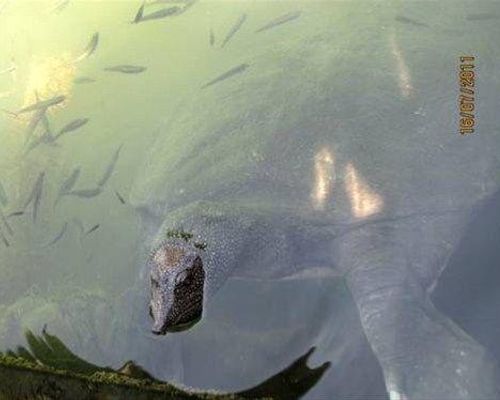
pixel 48 370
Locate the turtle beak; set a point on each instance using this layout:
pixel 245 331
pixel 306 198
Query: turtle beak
pixel 160 308
pixel 164 323
pixel 159 327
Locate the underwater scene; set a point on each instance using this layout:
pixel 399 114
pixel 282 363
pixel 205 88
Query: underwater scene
pixel 249 199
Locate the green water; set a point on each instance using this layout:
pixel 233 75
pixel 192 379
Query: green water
pixel 88 287
pixel 80 285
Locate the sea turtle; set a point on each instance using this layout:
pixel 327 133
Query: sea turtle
pixel 329 147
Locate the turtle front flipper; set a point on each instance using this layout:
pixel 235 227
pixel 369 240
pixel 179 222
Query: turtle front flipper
pixel 423 354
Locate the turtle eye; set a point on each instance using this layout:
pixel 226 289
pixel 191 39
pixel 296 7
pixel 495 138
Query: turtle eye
pixel 181 277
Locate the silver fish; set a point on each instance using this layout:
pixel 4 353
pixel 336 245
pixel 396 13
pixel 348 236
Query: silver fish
pixel 46 138
pixel 90 49
pixel 6 223
pixel 110 168
pixel 15 214
pixel 138 15
pixel 72 126
pixel 46 124
pixel 279 21
pixel 228 74
pixel 39 116
pixel 36 191
pixel 38 196
pixel 83 79
pixel 70 182
pixel 59 6
pixel 59 236
pixel 3 5
pixel 33 124
pixel 12 68
pixel 409 21
pixel 4 200
pixel 42 104
pixel 120 197
pixel 163 13
pixel 236 27
pixel 4 239
pixel 68 185
pixel 93 229
pixel 85 193
pixel 126 69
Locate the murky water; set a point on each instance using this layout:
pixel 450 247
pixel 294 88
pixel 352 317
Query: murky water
pixel 335 112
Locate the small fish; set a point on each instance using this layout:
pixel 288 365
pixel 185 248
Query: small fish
pixel 279 21
pixel 3 5
pixel 110 168
pixel 481 16
pixel 83 79
pixel 6 223
pixel 122 200
pixel 187 5
pixel 59 6
pixel 42 104
pixel 15 214
pixel 46 124
pixel 10 113
pixel 409 21
pixel 211 38
pixel 93 229
pixel 46 138
pixel 33 124
pixel 36 191
pixel 38 197
pixel 4 200
pixel 85 193
pixel 228 74
pixel 58 236
pixel 12 68
pixel 72 126
pixel 90 49
pixel 126 69
pixel 236 27
pixel 138 15
pixel 163 13
pixel 68 184
pixel 4 239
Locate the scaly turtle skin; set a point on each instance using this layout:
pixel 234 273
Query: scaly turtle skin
pixel 335 152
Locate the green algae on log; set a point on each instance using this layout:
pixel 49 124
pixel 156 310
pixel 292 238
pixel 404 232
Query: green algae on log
pixel 50 371
pixel 20 379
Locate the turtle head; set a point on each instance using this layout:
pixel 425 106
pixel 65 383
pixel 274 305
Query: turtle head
pixel 177 279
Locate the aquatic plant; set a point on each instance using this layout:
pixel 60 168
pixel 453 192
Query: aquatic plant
pixel 179 234
pixel 47 369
